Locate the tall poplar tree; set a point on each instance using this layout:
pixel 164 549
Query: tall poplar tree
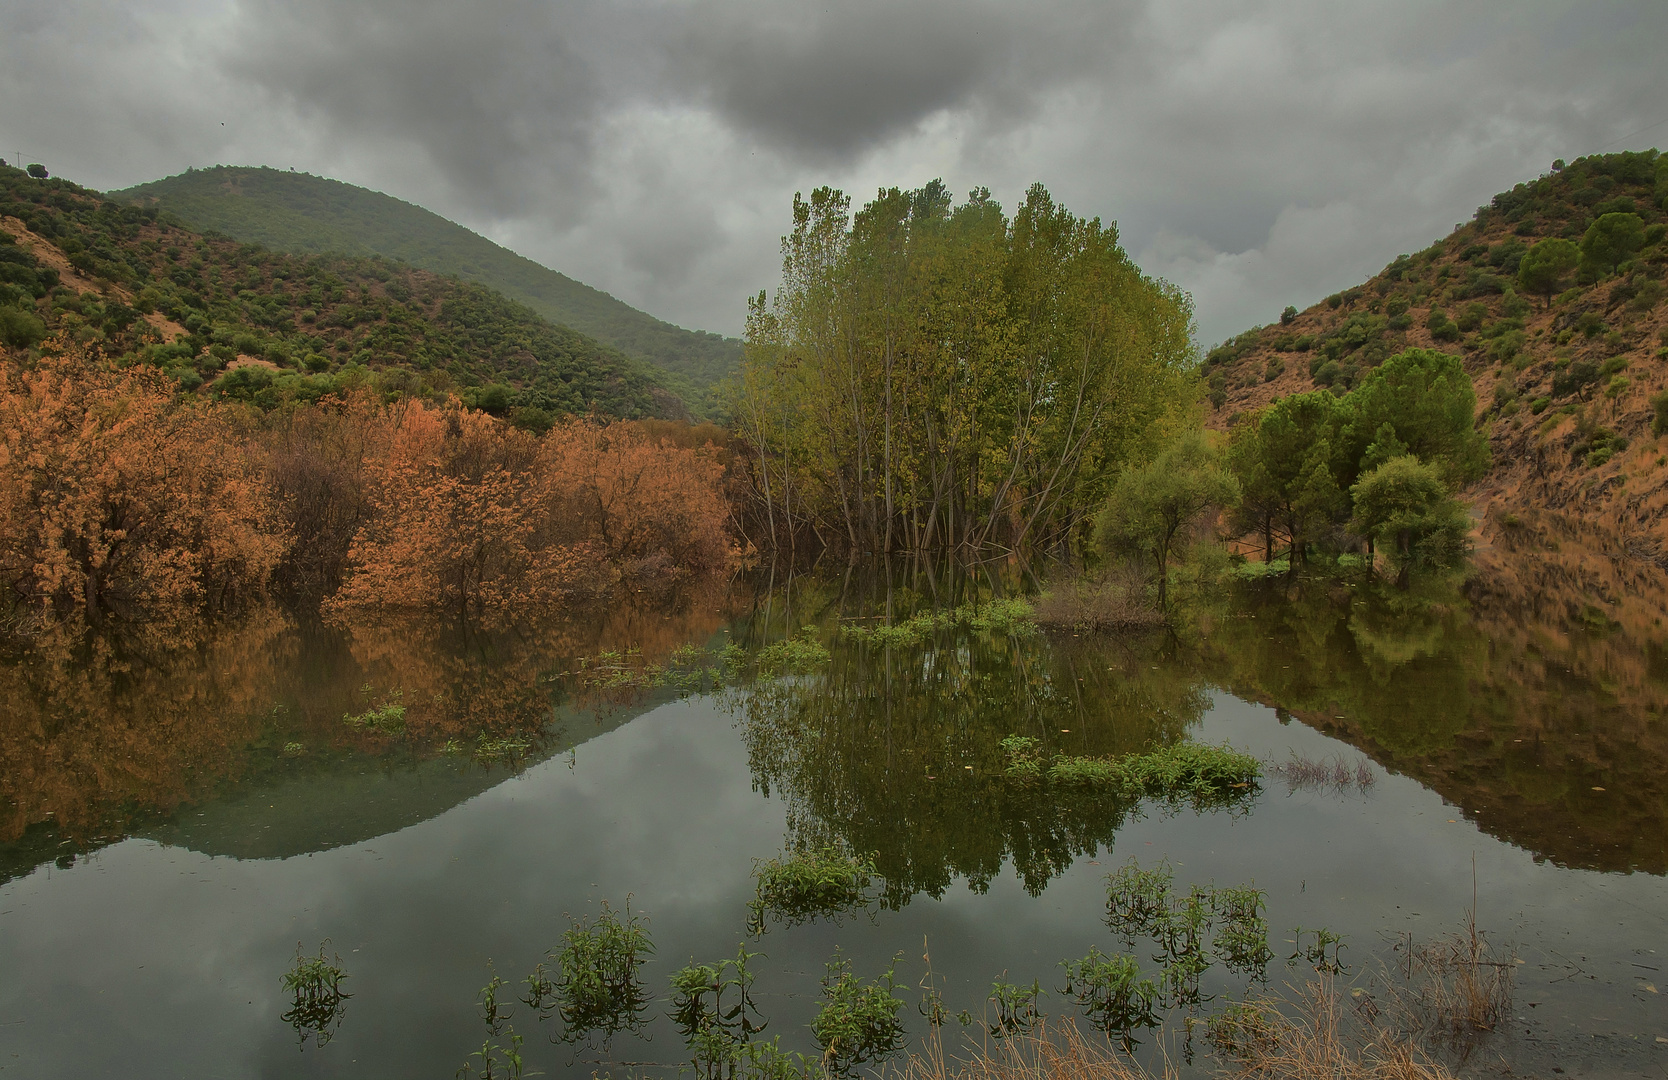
pixel 930 376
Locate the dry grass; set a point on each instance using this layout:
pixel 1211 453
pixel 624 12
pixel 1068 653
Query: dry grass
pixel 1456 986
pixel 1317 774
pixel 1114 600
pixel 1320 1034
pixel 1058 1051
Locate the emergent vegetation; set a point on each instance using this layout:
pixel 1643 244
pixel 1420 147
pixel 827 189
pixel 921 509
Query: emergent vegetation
pixel 318 1001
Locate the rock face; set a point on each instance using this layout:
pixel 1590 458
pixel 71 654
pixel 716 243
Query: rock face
pixel 1564 381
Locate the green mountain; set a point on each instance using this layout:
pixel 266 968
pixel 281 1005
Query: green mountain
pixel 299 213
pixel 236 319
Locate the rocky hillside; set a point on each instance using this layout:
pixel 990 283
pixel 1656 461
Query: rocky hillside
pixel 235 319
pixel 1569 357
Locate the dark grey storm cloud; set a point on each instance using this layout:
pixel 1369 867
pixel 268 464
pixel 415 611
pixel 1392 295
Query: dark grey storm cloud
pixel 831 82
pixel 1257 152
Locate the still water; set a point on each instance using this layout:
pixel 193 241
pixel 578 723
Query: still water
pixel 183 808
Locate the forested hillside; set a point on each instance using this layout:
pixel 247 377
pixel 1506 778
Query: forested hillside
pixel 225 318
pixel 305 214
pixel 1552 298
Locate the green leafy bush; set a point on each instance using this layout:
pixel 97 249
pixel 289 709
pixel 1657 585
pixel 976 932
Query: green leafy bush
pixel 858 1021
pixel 821 882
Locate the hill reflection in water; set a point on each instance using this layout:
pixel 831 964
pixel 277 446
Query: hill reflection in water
pixel 1529 695
pixel 230 738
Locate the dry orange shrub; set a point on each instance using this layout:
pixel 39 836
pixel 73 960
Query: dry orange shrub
pixel 471 514
pixel 112 494
pixel 655 509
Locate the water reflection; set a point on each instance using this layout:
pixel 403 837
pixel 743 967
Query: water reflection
pixel 1529 694
pixel 230 738
pixel 897 750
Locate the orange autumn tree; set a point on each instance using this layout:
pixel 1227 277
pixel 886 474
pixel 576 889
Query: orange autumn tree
pixel 114 495
pixel 657 510
pixel 453 515
pixel 470 514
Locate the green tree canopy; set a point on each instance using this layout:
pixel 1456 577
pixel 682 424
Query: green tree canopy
pixel 1420 402
pixel 931 376
pixel 1611 241
pixel 1286 469
pixel 1154 504
pixel 1404 504
pixel 1298 463
pixel 1545 267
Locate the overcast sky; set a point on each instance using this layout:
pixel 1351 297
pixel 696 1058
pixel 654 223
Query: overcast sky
pixel 1256 153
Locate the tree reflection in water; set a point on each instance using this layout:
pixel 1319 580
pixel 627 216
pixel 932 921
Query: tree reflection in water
pixel 897 750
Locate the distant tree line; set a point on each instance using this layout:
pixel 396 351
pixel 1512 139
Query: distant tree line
pixel 1320 472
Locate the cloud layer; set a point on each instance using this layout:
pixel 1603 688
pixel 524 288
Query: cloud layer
pixel 1257 153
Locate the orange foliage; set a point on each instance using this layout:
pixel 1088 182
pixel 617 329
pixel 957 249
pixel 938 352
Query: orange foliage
pixel 472 514
pixel 115 492
pixel 656 510
pixel 112 493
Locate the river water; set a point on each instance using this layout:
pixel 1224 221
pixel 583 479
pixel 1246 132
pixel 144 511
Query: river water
pixel 185 808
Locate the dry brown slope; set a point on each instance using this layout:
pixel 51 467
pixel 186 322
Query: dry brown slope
pixel 1543 461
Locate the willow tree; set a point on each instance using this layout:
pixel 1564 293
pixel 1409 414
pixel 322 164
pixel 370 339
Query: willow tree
pixel 930 376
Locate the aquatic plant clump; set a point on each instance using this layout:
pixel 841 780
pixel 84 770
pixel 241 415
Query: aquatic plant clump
pixel 494 1060
pixel 794 656
pixel 858 1021
pixel 1138 900
pixel 824 881
pixel 388 718
pixel 314 984
pixel 596 988
pixel 1016 1008
pixel 1191 933
pixel 712 1006
pixel 1009 616
pixel 1112 994
pixel 1206 774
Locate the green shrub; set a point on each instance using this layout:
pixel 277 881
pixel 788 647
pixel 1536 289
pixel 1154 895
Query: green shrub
pixel 858 1021
pixel 1659 408
pixel 20 329
pixel 1441 327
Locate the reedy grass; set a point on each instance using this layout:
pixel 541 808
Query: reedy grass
pixel 1306 773
pixel 1204 774
pixel 1008 616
